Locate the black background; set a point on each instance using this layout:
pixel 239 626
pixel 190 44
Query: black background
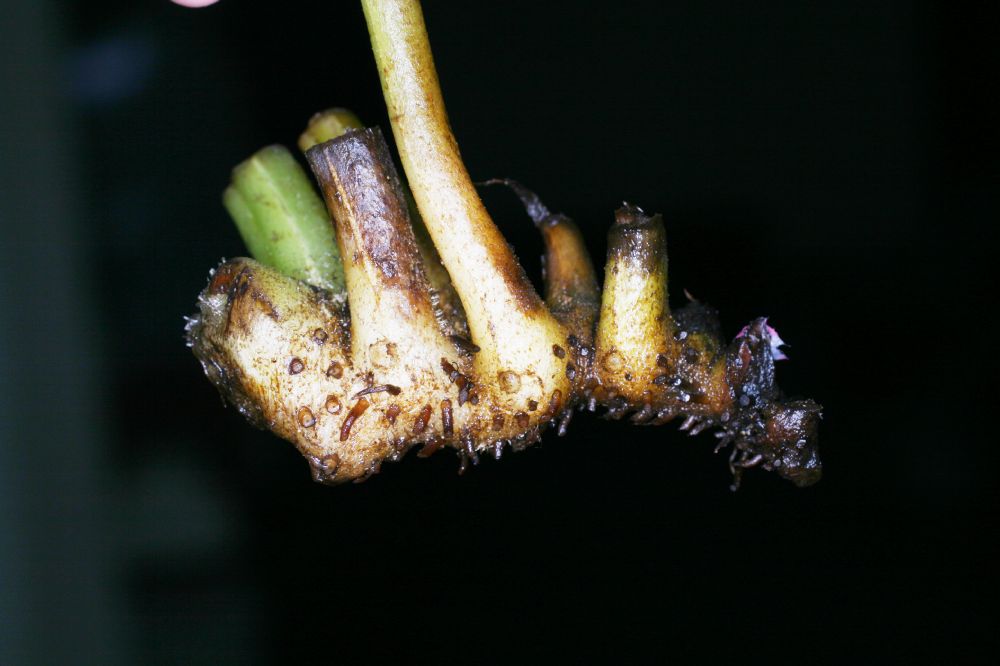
pixel 831 165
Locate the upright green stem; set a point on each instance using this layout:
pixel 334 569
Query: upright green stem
pixel 281 219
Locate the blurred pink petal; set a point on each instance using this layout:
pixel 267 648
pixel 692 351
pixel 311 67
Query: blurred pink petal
pixel 773 338
pixel 194 3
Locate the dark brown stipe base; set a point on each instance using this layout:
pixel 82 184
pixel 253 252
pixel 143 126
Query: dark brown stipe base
pixel 336 371
pixel 564 422
pixel 306 418
pixel 466 454
pixel 391 413
pixel 555 404
pixel 324 470
pixel 464 344
pixel 422 419
pixel 643 415
pixel 469 446
pixel 295 366
pixel 430 448
pixel 331 462
pixel 464 385
pixel 450 370
pixel 356 411
pixel 446 420
pixel 386 388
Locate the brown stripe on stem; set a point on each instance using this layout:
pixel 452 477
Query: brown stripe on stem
pixel 381 388
pixel 386 285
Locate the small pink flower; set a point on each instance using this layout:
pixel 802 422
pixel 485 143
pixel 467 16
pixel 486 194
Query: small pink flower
pixel 773 338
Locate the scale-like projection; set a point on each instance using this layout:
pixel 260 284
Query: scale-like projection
pixel 408 322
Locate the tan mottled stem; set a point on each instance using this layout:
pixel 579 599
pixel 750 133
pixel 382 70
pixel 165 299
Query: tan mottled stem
pixel 506 316
pixel 332 123
pixel 391 312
